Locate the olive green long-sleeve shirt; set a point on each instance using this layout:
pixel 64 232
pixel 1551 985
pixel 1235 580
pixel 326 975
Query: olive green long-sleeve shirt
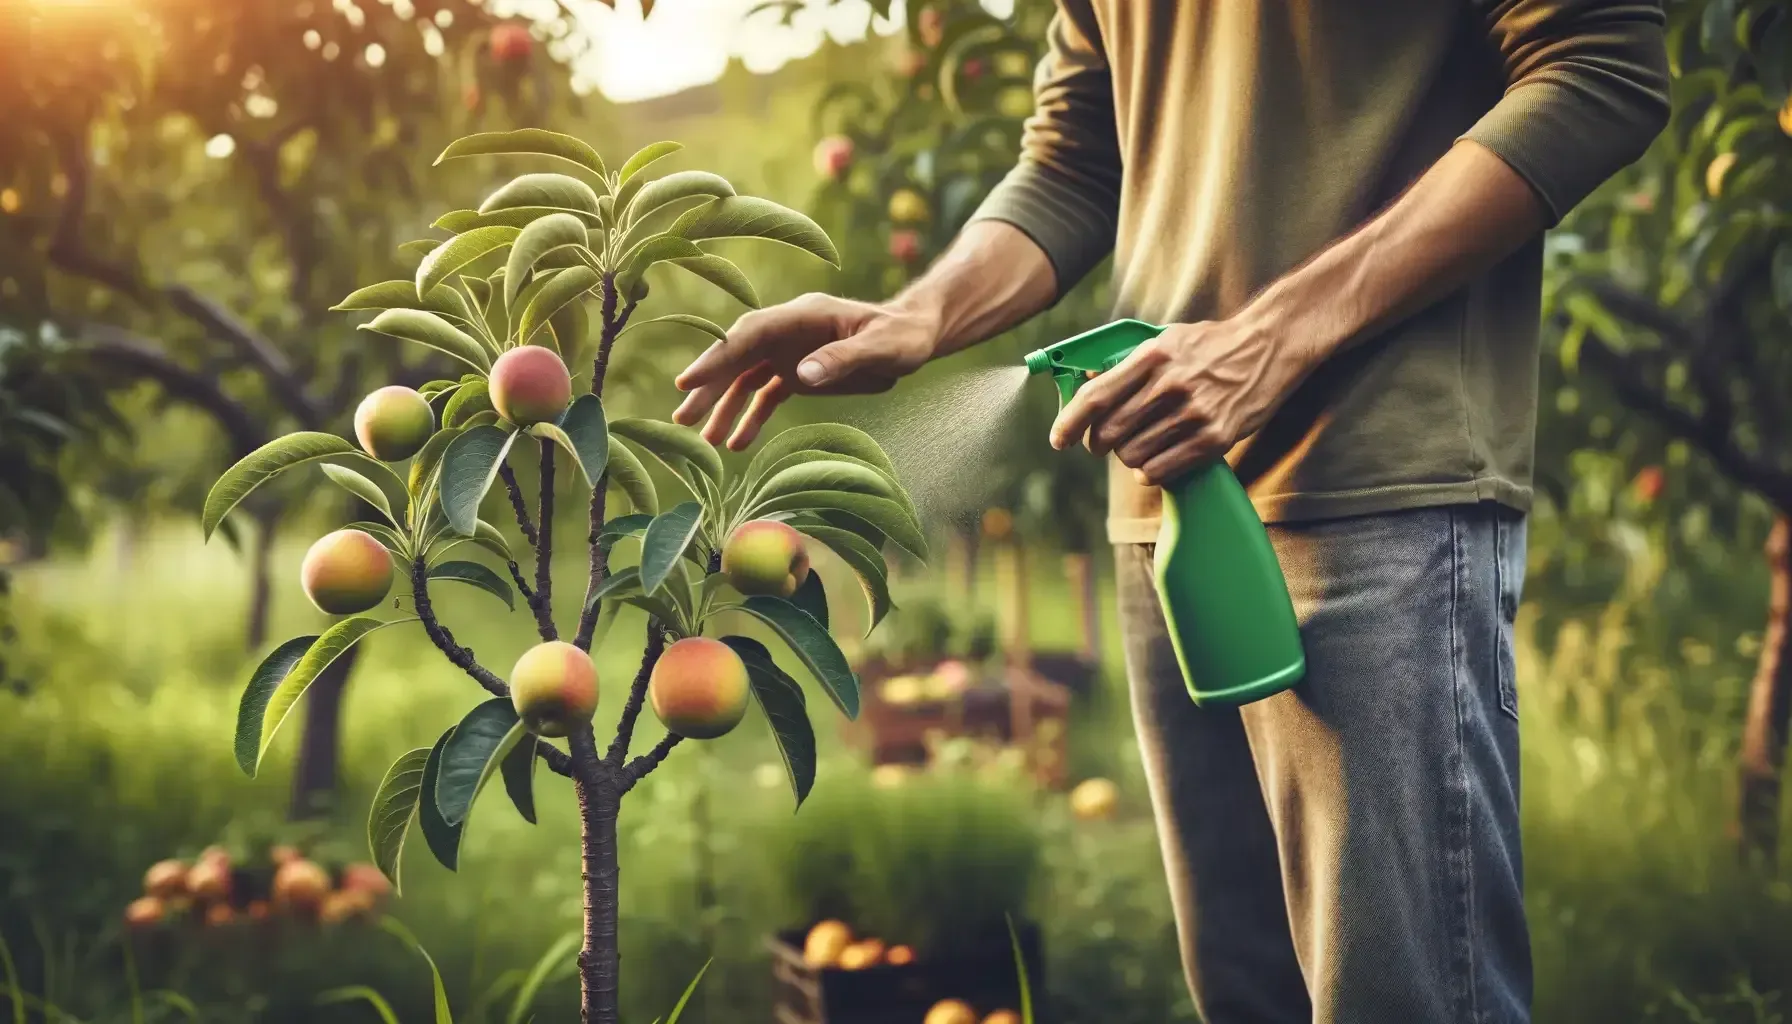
pixel 1214 145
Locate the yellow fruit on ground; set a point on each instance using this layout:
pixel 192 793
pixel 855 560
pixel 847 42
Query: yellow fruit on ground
pixel 862 954
pixel 765 557
pixel 530 384
pixel 1002 1017
pixel 825 942
pixel 346 572
pixel 393 423
pixel 951 1011
pixel 299 886
pixel 899 956
pixel 1094 798
pixel 699 688
pixel 554 688
pixel 144 912
pixel 908 206
pixel 165 878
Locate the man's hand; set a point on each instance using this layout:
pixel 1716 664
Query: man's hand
pixel 816 344
pixel 1185 397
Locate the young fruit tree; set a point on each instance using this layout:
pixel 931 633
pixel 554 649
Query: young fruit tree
pixel 511 294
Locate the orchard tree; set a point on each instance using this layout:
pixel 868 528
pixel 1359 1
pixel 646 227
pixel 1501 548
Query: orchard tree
pixel 1673 288
pixel 549 269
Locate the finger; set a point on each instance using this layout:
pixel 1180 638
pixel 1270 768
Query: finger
pixel 764 404
pixel 873 351
pixel 699 402
pixel 1137 412
pixel 1180 458
pixel 734 400
pixel 1093 400
pixel 806 322
pixel 1157 437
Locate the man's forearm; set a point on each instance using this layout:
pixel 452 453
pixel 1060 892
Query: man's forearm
pixel 1466 213
pixel 991 277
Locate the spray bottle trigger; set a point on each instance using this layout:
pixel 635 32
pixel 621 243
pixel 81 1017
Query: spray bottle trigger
pixel 1068 381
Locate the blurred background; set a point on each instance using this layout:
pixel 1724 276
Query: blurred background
pixel 187 186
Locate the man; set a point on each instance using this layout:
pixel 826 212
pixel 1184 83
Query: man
pixel 1338 207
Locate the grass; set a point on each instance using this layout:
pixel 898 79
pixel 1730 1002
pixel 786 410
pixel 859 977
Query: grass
pixel 118 754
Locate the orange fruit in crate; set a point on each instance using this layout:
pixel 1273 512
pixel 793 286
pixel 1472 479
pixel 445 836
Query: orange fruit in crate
pixel 165 878
pixel 144 912
pixel 862 954
pixel 825 942
pixel 209 880
pixel 951 1011
pixel 1002 1017
pixel 899 955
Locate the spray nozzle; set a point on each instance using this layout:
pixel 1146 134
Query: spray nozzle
pixel 1071 361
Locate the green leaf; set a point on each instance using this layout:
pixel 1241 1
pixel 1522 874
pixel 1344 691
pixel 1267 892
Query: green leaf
pixel 627 472
pixel 431 330
pixel 442 300
pixel 882 513
pixel 469 466
pixel 753 217
pixel 442 837
pixel 384 533
pixel 866 562
pixel 1020 966
pixel 423 464
pixel 262 464
pixel 487 536
pixel 584 425
pixel 646 155
pixel 519 776
pixel 474 574
pixel 361 487
pixel 837 438
pixel 622 526
pixel 723 274
pixel 542 236
pixel 781 698
pixel 683 320
pixel 468 400
pixel 442 1014
pixel 457 252
pixel 565 288
pixel 891 488
pixel 620 582
pixel 812 597
pixel 546 193
pixel 675 187
pixel 418 248
pixel 538 974
pixel 473 753
pixel 646 253
pixel 669 442
pixel 552 432
pixel 526 142
pixel 282 679
pixel 827 475
pixel 658 607
pixel 670 533
pixel 394 805
pixel 351 993
pixel 809 641
pixel 678 1010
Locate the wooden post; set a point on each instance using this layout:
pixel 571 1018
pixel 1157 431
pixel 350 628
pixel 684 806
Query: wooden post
pixel 1769 707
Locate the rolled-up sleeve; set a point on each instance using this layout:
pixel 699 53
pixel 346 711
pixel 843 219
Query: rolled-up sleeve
pixel 1065 191
pixel 1587 91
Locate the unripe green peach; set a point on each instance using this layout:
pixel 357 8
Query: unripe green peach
pixel 554 688
pixel 765 556
pixel 699 688
pixel 393 423
pixel 529 384
pixel 346 572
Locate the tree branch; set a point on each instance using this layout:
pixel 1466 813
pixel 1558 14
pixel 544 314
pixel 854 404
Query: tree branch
pixel 599 558
pixel 517 504
pixel 461 657
pixel 639 768
pixel 542 601
pixel 140 357
pixel 637 695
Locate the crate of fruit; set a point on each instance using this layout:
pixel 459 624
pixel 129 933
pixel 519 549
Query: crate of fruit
pixel 827 975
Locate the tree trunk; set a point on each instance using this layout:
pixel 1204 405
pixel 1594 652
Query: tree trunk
pixel 1080 567
pixel 1769 707
pixel 600 962
pixel 314 776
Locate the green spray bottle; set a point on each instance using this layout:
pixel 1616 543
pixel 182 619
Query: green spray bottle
pixel 1225 601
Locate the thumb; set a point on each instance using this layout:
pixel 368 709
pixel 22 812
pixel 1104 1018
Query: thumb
pixel 873 350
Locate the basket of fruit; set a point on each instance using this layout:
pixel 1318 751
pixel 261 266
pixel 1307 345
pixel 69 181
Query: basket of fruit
pixel 258 888
pixel 829 975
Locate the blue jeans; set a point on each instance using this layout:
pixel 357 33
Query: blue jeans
pixel 1347 852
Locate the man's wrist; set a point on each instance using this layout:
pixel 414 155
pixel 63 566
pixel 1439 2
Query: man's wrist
pixel 926 314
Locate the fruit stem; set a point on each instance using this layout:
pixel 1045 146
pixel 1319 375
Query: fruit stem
pixel 637 695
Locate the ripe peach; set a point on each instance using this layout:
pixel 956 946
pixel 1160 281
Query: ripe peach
pixel 699 688
pixel 366 878
pixel 209 880
pixel 530 384
pixel 972 69
pixel 833 155
pixel 554 688
pixel 393 423
pixel 344 905
pixel 1649 483
pixel 144 912
pixel 511 41
pixel 951 1011
pixel 899 956
pixel 218 915
pixel 300 885
pixel 346 572
pixel 1002 1017
pixel 280 853
pixel 862 954
pixel 165 878
pixel 905 245
pixel 825 942
pixel 765 557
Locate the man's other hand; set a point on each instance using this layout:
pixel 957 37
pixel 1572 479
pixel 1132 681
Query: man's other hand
pixel 815 344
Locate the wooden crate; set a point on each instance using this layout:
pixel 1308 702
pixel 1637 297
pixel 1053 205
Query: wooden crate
pixel 1014 713
pixel 984 977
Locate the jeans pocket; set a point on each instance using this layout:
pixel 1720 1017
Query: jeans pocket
pixel 1509 582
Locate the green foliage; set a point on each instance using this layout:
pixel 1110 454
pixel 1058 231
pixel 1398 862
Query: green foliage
pixel 283 678
pixel 480 743
pixel 393 810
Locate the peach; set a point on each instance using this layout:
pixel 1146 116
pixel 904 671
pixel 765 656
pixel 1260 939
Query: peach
pixel 530 384
pixel 931 25
pixel 765 557
pixel 554 688
pixel 951 1011
pixel 165 878
pixel 833 155
pixel 218 915
pixel 699 688
pixel 346 572
pixel 393 423
pixel 905 245
pixel 511 42
pixel 300 885
pixel 825 942
pixel 366 878
pixel 280 853
pixel 1002 1017
pixel 862 954
pixel 209 880
pixel 144 912
pixel 908 206
pixel 900 956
